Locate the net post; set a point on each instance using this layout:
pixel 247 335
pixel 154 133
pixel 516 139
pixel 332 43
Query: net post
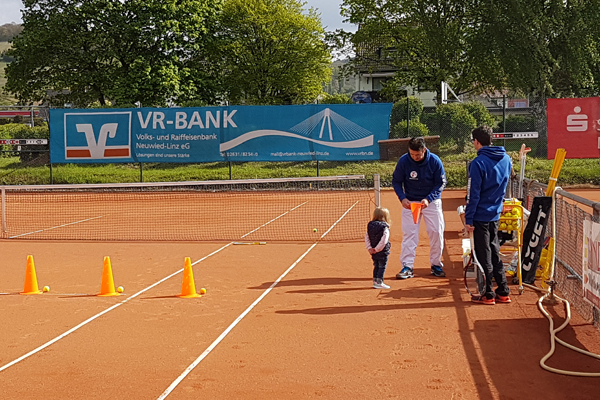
pixel 3 210
pixel 377 185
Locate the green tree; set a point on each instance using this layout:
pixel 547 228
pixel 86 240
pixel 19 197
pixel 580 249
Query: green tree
pixel 452 122
pixel 480 113
pixel 549 48
pixel 425 42
pixel 545 48
pixel 118 51
pixel 272 53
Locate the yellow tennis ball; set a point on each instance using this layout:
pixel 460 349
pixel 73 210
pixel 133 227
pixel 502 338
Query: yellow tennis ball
pixel 502 226
pixel 46 288
pixel 516 212
pixel 314 229
pixel 202 291
pixel 120 289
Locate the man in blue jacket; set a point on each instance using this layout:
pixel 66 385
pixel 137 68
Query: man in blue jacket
pixel 419 177
pixel 489 173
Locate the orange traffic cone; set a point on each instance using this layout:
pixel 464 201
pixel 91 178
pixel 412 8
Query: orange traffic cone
pixel 107 288
pixel 416 211
pixel 31 285
pixel 188 287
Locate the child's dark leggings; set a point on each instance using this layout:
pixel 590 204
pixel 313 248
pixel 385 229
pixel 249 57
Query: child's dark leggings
pixel 379 265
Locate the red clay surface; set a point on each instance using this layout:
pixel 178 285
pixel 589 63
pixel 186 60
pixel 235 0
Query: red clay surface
pixel 321 332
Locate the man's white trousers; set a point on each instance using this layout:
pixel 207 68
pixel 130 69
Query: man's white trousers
pixel 434 222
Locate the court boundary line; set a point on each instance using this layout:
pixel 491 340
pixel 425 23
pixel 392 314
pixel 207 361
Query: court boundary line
pixel 222 336
pixel 92 318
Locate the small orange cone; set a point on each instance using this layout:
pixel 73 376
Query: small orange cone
pixel 416 211
pixel 31 285
pixel 188 287
pixel 107 288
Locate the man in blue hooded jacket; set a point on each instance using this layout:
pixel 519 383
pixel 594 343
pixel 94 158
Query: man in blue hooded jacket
pixel 489 174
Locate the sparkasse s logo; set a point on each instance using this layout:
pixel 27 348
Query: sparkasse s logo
pixel 97 136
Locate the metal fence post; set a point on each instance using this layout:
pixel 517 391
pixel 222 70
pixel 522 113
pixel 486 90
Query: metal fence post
pixel 377 185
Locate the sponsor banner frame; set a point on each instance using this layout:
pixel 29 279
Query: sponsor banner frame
pixel 591 262
pixel 574 125
pixel 328 132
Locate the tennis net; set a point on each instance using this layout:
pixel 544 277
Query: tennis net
pixel 293 209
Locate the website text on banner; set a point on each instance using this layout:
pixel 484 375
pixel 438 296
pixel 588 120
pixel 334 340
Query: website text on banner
pixel 347 132
pixel 574 125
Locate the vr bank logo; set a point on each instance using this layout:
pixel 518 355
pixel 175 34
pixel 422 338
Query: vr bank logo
pixel 97 136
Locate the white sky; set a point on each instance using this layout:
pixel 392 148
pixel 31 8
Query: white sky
pixel 329 9
pixel 330 14
pixel 11 11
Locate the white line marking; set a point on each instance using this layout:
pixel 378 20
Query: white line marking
pixel 339 219
pixel 242 315
pixel 274 219
pixel 55 227
pixel 56 339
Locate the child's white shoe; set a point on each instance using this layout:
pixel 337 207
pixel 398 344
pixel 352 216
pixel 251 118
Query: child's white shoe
pixel 378 284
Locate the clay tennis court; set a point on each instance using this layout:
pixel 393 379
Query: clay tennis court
pixel 279 321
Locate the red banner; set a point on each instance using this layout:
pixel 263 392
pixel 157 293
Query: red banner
pixel 574 125
pixel 14 113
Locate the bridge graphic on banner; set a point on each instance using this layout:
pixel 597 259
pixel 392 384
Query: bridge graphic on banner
pixel 352 134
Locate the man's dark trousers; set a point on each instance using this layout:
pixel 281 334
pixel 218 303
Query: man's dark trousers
pixel 487 250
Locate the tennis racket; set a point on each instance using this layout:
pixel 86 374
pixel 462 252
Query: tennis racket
pixel 474 276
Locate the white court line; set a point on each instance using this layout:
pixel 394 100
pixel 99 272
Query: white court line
pixel 55 227
pixel 242 315
pixel 56 339
pixel 274 219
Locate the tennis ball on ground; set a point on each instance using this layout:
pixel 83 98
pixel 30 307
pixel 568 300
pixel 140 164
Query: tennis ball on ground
pixel 120 289
pixel 46 288
pixel 314 229
pixel 202 291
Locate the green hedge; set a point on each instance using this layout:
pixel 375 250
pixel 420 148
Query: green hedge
pixel 399 110
pixel 415 128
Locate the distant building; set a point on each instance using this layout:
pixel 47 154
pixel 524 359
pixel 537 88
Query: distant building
pixel 375 65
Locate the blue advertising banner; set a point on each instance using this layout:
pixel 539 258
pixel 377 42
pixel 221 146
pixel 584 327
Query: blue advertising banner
pixel 332 132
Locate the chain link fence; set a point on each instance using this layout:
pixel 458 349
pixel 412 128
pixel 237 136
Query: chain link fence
pixel 571 211
pixel 453 122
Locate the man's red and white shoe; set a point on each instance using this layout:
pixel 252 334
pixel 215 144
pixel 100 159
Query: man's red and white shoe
pixel 483 300
pixel 503 299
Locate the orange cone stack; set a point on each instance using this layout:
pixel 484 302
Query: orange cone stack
pixel 416 211
pixel 188 287
pixel 107 288
pixel 31 285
